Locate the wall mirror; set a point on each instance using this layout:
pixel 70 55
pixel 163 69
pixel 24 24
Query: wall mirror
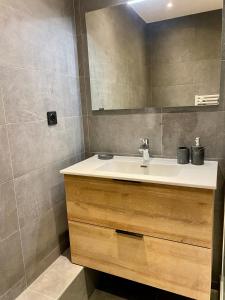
pixel 155 53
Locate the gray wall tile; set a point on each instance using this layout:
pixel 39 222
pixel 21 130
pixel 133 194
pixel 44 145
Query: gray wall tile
pixel 15 290
pixel 48 91
pixel 8 210
pixel 172 40
pixel 24 43
pixel 39 191
pixel 172 73
pixel 38 73
pixel 121 134
pixel 5 164
pixel 11 262
pixel 40 238
pixel 181 130
pixel 178 95
pixel 211 47
pixel 207 76
pixel 34 144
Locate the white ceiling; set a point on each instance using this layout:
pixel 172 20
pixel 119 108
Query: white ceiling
pixel 157 10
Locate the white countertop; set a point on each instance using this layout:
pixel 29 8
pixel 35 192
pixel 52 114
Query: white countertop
pixel 204 176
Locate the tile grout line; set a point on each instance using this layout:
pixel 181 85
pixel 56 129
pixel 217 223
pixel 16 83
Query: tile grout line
pixel 13 180
pixel 33 69
pixel 9 236
pixel 40 168
pixel 40 120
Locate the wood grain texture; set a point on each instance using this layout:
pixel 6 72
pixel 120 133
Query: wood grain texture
pixel 172 266
pixel 169 212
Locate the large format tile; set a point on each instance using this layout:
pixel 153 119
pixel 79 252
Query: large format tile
pixel 8 210
pixel 41 238
pixel 11 263
pixel 172 40
pixel 5 163
pixel 15 290
pixel 35 144
pixel 208 25
pixel 180 129
pixel 121 133
pixel 207 76
pixel 29 294
pixel 55 281
pixel 173 96
pixel 24 43
pixel 15 47
pixel 38 73
pixel 36 92
pixel 172 73
pixel 39 191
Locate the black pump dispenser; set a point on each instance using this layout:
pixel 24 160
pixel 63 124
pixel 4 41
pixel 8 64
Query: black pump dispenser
pixel 197 153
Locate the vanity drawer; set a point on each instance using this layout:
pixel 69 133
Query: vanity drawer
pixel 168 212
pixel 172 266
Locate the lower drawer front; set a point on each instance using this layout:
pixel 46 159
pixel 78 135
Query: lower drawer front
pixel 172 266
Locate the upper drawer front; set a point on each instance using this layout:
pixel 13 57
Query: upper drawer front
pixel 176 267
pixel 174 213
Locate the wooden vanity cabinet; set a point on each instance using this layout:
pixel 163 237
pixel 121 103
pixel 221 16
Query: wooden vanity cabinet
pixel 154 234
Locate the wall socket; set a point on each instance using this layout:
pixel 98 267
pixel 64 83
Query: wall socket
pixel 52 118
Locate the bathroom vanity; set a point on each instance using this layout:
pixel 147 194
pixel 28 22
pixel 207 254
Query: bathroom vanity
pixel 152 225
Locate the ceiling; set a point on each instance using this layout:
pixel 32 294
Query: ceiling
pixel 157 10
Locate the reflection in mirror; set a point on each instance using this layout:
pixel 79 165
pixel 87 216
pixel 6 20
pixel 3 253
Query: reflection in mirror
pixel 155 53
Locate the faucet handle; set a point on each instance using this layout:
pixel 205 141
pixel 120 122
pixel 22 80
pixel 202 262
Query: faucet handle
pixel 145 142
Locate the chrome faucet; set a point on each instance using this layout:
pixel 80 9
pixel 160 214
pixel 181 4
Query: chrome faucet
pixel 145 151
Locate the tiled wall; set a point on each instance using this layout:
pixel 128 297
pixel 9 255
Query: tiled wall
pixel 158 64
pixel 185 55
pixel 117 58
pixel 120 131
pixel 38 73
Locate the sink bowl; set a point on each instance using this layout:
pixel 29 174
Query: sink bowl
pixel 136 168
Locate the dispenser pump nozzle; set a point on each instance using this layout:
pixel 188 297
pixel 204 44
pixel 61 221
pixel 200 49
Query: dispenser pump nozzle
pixel 197 141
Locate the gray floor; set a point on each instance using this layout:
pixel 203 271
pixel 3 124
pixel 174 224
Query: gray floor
pixel 115 288
pixel 102 295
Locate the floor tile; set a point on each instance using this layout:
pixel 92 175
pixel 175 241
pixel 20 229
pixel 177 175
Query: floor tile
pixel 101 295
pixel 28 295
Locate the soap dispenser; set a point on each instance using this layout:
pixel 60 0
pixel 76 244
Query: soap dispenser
pixel 197 153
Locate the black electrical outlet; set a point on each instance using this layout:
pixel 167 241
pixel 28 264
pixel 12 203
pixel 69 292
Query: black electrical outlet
pixel 52 118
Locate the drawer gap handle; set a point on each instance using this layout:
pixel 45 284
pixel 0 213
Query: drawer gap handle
pixel 133 234
pixel 127 181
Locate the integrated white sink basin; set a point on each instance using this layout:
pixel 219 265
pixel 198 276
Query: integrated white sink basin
pixel 160 171
pixel 134 167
